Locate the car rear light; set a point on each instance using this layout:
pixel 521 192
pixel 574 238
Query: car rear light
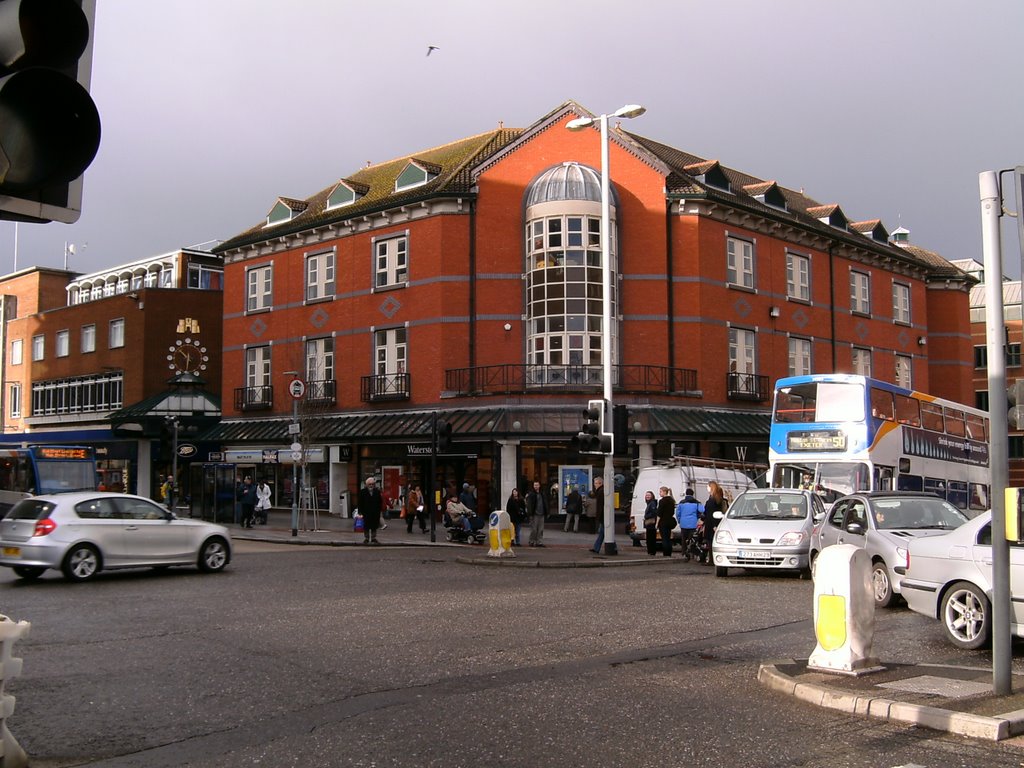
pixel 44 527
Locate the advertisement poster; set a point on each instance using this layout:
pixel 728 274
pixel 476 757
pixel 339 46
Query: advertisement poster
pixel 567 478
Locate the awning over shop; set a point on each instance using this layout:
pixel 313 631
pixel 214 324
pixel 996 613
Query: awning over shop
pixel 489 423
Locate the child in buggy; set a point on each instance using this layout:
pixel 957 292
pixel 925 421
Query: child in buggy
pixel 688 512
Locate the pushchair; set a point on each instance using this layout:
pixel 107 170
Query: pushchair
pixel 696 548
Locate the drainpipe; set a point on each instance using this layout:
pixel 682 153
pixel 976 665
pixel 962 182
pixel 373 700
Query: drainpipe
pixel 472 296
pixel 668 270
pixel 832 301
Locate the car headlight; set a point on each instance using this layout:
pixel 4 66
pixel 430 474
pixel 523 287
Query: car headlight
pixel 903 557
pixel 791 539
pixel 723 537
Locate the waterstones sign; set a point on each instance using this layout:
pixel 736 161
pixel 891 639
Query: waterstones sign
pixel 417 450
pixel 933 445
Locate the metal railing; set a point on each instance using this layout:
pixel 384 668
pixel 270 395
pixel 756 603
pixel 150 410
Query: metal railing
pixel 512 378
pixel 259 398
pixel 746 386
pixel 323 392
pixel 386 386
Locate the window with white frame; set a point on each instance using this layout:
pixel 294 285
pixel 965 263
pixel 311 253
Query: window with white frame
pixel 798 276
pixel 391 261
pixel 257 372
pixel 860 292
pixel 17 351
pixel 861 361
pixel 38 347
pixel 61 343
pixel 14 394
pixel 740 262
pixel 799 356
pixel 319 276
pixel 901 303
pixel 259 285
pixel 742 352
pixel 904 371
pixel 89 338
pixel 389 351
pixel 116 338
pixel 320 359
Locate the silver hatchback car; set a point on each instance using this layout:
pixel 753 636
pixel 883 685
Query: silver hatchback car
pixel 768 528
pixel 883 523
pixel 81 534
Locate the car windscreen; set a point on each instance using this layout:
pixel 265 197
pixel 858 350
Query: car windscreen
pixel 916 513
pixel 30 509
pixel 769 506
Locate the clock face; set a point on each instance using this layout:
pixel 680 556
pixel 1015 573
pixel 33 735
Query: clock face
pixel 187 355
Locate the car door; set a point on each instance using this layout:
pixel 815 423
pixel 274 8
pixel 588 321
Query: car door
pixel 100 523
pixel 831 529
pixel 149 536
pixel 855 523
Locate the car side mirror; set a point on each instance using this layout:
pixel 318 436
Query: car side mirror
pixel 168 515
pixel 855 528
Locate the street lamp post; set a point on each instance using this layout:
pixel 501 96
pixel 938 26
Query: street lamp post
pixel 628 111
pixel 294 434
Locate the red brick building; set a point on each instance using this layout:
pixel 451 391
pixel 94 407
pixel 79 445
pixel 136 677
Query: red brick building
pixel 87 360
pixel 466 279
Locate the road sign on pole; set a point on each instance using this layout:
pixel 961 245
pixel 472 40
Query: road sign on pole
pixel 297 388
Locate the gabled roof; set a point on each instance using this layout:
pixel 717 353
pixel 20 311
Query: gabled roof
pixel 872 229
pixel 451 162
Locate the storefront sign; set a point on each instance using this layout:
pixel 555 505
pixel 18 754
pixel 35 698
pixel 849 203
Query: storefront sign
pixel 418 450
pixel 313 456
pixel 244 457
pixel 186 450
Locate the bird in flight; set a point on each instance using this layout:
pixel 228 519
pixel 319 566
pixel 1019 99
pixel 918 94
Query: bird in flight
pixel 431 49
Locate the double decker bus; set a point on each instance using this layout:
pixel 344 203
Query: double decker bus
pixel 40 469
pixel 840 433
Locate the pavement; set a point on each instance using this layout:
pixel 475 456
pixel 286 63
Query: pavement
pixel 953 699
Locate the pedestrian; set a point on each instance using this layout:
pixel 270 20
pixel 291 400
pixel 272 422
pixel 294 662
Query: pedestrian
pixel 687 514
pixel 537 510
pixel 167 492
pixel 716 504
pixel 666 519
pixel 573 510
pixel 651 523
pixel 262 501
pixel 597 496
pixel 466 498
pixel 371 504
pixel 516 508
pixel 248 499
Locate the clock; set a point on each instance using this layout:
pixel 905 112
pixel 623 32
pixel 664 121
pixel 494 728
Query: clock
pixel 187 355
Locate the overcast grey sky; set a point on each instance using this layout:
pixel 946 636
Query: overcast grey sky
pixel 213 108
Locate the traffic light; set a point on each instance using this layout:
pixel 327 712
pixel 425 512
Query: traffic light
pixel 592 437
pixel 620 429
pixel 1015 396
pixel 49 125
pixel 444 436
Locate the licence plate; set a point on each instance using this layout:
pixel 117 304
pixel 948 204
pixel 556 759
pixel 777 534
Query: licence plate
pixel 756 554
pixel 12 551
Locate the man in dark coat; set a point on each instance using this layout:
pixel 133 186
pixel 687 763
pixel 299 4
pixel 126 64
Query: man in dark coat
pixel 666 519
pixel 247 495
pixel 370 504
pixel 537 509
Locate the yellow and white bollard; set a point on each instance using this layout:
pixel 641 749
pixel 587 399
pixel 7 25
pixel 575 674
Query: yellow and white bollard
pixel 500 533
pixel 11 753
pixel 844 611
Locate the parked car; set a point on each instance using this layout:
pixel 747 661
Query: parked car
pixel 81 534
pixel 949 578
pixel 883 523
pixel 768 528
pixel 694 474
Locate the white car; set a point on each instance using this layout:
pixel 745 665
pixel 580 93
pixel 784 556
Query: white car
pixel 81 534
pixel 949 578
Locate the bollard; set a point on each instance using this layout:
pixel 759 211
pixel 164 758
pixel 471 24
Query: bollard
pixel 500 533
pixel 11 753
pixel 844 611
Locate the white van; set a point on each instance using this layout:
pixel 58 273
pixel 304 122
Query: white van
pixel 683 473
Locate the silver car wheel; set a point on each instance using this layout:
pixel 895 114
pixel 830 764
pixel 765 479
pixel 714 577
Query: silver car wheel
pixel 81 563
pixel 965 616
pixel 881 585
pixel 213 556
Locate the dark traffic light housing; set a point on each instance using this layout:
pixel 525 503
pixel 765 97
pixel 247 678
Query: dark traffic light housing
pixel 444 436
pixel 49 125
pixel 592 437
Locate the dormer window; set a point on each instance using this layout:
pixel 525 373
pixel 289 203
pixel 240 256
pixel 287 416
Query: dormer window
pixel 767 192
pixel 872 229
pixel 345 193
pixel 416 174
pixel 285 209
pixel 710 173
pixel 830 214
